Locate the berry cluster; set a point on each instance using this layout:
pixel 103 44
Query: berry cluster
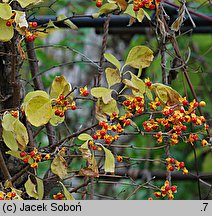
pixel 59 196
pixel 7 196
pixel 11 20
pixel 84 91
pixel 173 164
pixel 33 155
pixel 62 105
pixel 135 105
pixel 166 190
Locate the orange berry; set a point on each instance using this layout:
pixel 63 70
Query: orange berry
pixel 202 103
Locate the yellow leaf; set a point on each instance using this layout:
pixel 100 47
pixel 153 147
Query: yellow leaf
pixel 139 57
pixel 130 11
pixel 21 134
pixel 58 166
pixel 8 121
pixel 99 114
pixel 6 32
pixel 101 92
pixel 40 188
pixel 110 107
pixel 67 194
pixel 109 164
pixel 140 85
pixel 60 86
pixel 84 137
pixel 85 151
pixel 5 11
pixel 149 94
pixel 140 15
pixel 112 59
pixel 130 84
pixel 67 21
pixel 105 9
pixel 167 95
pixel 25 3
pixel 56 120
pixel 38 110
pixel 30 188
pixel 9 140
pixel 112 76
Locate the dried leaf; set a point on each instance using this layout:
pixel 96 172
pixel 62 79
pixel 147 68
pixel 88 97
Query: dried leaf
pixel 59 166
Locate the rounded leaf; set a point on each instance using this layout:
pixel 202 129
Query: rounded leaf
pixel 38 110
pixel 5 11
pixel 112 76
pixel 102 92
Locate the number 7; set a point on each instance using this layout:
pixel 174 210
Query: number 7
pixel 206 204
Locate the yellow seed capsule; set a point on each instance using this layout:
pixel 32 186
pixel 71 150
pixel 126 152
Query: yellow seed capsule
pixel 202 103
pixel 99 149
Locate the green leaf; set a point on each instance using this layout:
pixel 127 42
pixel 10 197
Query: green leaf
pixel 9 140
pixel 112 59
pixel 59 166
pixel 207 163
pixel 67 21
pixel 84 137
pixel 60 86
pixel 149 94
pixel 67 194
pixel 17 155
pixel 101 92
pixel 146 14
pixel 38 110
pixel 109 164
pixel 139 57
pixel 31 189
pixel 6 32
pixel 40 188
pixel 130 11
pixel 110 107
pixel 140 15
pixel 25 3
pixel 112 76
pixel 5 11
pixel 43 167
pixel 105 9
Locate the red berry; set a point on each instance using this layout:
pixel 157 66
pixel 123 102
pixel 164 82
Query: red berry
pixel 25 160
pixel 182 110
pixel 173 188
pixel 158 103
pixel 1 198
pixel 141 4
pixel 94 147
pixel 102 133
pixel 73 107
pixel 13 194
pixel 172 160
pixel 114 114
pixel 66 103
pixel 136 8
pixel 185 103
pixel 85 93
pixel 171 110
pixel 62 114
pixel 22 154
pixel 8 23
pixel 167 187
pixel 146 1
pixel 99 4
pixel 181 164
pixel 148 129
pixel 57 112
pixel 139 111
pixel 196 104
pixel 171 168
pixel 152 7
pixel 95 136
pixel 139 99
pixel 107 141
pixel 34 24
pixel 62 97
pixel 133 106
pixel 30 38
pixel 128 122
pixel 184 128
pixel 149 83
pixel 126 103
pixel 32 153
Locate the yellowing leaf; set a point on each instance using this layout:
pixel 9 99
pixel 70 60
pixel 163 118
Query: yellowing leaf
pixel 149 94
pixel 67 21
pixel 140 15
pixel 67 194
pixel 56 120
pixel 85 151
pixel 122 4
pixel 40 188
pixel 112 76
pixel 101 92
pixel 167 95
pixel 60 86
pixel 140 85
pixel 139 57
pixel 6 32
pixel 99 114
pixel 9 140
pixel 38 110
pixel 130 84
pixel 110 107
pixel 5 11
pixel 25 3
pixel 109 164
pixel 8 121
pixel 59 167
pixel 130 11
pixel 30 188
pixel 105 9
pixel 112 59
pixel 84 137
